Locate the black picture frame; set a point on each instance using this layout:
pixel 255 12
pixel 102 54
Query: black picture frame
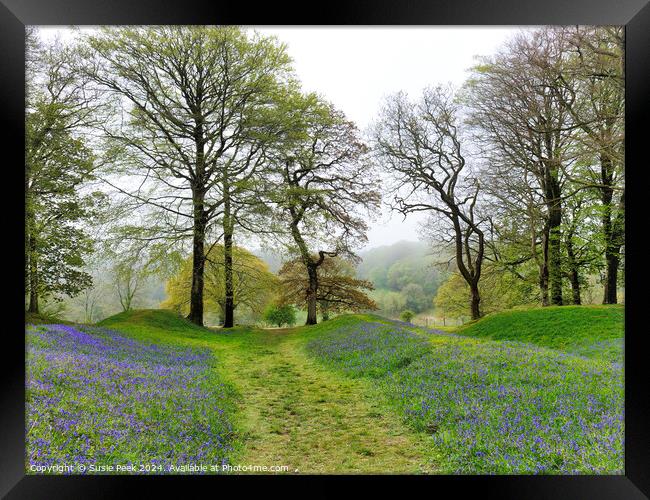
pixel 634 14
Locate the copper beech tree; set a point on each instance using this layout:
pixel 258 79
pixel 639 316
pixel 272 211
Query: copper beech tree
pixel 338 288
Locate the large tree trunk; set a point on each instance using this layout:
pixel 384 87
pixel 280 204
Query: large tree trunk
pixel 312 270
pixel 543 285
pixel 198 262
pixel 574 276
pixel 312 295
pixel 555 267
pixel 543 270
pixel 554 237
pixel 611 233
pixel 228 229
pixel 612 260
pixel 33 278
pixel 229 302
pixel 471 268
pixel 476 301
pixel 31 260
pixel 542 263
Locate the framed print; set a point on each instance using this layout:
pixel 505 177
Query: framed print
pixel 388 244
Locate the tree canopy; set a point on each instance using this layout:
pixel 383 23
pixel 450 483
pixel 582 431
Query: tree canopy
pixel 191 129
pixel 59 163
pixel 158 153
pixel 254 286
pixel 338 289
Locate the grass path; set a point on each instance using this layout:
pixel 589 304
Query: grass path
pixel 291 409
pixel 295 412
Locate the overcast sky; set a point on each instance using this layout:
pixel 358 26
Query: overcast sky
pixel 355 68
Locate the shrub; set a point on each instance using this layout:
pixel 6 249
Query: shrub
pixel 407 315
pixel 280 315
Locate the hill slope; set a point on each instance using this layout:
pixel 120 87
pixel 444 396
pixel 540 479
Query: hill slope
pixel 152 319
pixel 489 406
pixel 353 394
pixel 582 330
pixel 43 319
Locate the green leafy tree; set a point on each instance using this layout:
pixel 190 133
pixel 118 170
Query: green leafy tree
pixel 323 186
pixel 407 315
pixel 389 302
pixel 528 141
pixel 416 299
pixel 280 315
pixel 254 286
pixel 191 100
pixel 500 290
pixel 591 88
pixel 58 163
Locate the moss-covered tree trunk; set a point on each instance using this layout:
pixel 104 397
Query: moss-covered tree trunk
pixel 555 257
pixel 543 269
pixel 312 294
pixel 572 265
pixel 228 231
pixel 31 258
pixel 229 300
pixel 311 266
pixel 198 260
pixel 552 195
pixel 612 230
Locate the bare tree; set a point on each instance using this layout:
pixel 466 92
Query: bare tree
pixel 419 145
pixel 128 281
pixel 528 141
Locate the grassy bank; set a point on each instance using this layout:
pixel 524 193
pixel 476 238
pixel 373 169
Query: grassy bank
pixel 592 331
pixel 491 406
pixel 528 391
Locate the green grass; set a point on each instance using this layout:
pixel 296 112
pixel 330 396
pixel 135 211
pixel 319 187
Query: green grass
pixel 292 410
pixel 367 412
pixel 585 330
pixel 491 406
pixel 43 319
pixel 159 320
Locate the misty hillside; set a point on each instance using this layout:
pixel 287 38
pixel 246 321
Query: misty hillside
pixel 404 274
pixel 386 255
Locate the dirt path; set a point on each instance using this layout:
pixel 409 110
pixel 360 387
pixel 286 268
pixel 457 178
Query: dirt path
pixel 296 413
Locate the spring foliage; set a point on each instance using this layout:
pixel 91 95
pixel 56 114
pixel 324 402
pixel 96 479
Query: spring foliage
pixel 254 285
pixel 338 289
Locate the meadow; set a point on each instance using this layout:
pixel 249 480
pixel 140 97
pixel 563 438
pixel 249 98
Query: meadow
pixel 492 407
pixel 98 399
pixel 357 393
